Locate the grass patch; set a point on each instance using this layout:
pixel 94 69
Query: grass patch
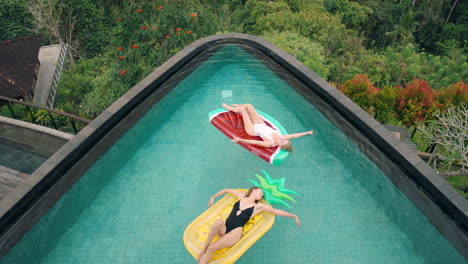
pixel 460 183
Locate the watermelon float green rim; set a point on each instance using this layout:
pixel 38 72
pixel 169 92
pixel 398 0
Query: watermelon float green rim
pixel 280 154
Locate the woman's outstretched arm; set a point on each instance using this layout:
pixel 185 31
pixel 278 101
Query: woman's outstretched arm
pixel 234 192
pixel 253 142
pixel 264 207
pixel 298 135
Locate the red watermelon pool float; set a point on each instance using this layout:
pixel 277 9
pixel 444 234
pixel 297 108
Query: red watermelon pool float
pixel 232 125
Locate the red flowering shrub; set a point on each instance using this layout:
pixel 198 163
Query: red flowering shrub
pixel 139 10
pixel 119 48
pixel 160 7
pixel 455 94
pixel 194 15
pixel 188 32
pixel 122 57
pixel 122 72
pixel 361 90
pixel 134 46
pixel 167 36
pixel 143 27
pixel 178 29
pixel 416 102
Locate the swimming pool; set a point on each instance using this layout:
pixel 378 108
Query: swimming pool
pixel 19 159
pixel 133 205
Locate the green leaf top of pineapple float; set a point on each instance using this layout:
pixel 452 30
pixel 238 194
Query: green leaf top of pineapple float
pixel 273 189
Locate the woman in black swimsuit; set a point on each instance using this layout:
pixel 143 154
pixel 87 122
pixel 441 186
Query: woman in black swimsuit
pixel 230 232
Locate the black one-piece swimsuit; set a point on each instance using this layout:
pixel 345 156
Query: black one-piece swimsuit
pixel 234 221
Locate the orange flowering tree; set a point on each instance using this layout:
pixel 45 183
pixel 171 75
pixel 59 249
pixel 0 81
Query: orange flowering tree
pixel 361 90
pixel 454 95
pixel 148 34
pixel 144 36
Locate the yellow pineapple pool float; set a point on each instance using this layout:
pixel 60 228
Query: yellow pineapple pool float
pixel 196 232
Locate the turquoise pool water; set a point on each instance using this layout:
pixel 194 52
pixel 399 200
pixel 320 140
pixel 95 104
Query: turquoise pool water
pixel 133 205
pixel 19 159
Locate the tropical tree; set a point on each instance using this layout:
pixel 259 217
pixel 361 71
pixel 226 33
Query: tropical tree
pixel 450 130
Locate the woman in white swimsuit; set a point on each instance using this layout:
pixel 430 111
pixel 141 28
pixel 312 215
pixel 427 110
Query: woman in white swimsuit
pixel 255 126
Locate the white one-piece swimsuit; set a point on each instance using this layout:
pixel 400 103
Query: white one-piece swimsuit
pixel 264 131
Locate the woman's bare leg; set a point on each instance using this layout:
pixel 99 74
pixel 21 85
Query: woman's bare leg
pixel 248 125
pixel 219 227
pixel 235 108
pixel 228 240
pixel 254 116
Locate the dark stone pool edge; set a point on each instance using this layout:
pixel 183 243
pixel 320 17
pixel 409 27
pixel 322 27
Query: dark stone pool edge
pixel 436 199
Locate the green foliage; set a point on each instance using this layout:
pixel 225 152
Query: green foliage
pixel 452 39
pixel 421 139
pixel 106 92
pixel 146 35
pixel 308 52
pixel 402 65
pixel 443 71
pixel 344 50
pixel 37 116
pixel 422 22
pixel 405 63
pixel 450 47
pixel 255 10
pixel 79 80
pixel 329 37
pixel 15 20
pixel 91 21
pixel 355 59
pixel 385 105
pixel 432 17
pixel 152 32
pixel 308 19
pixel 353 14
pixel 19 112
pixel 341 48
pixel 42 117
pixel 143 36
pixel 402 32
pixel 383 19
pixel 460 183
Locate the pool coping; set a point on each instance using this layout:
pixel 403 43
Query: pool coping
pixel 445 208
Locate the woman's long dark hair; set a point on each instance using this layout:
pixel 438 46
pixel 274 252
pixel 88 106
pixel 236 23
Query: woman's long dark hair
pixel 249 192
